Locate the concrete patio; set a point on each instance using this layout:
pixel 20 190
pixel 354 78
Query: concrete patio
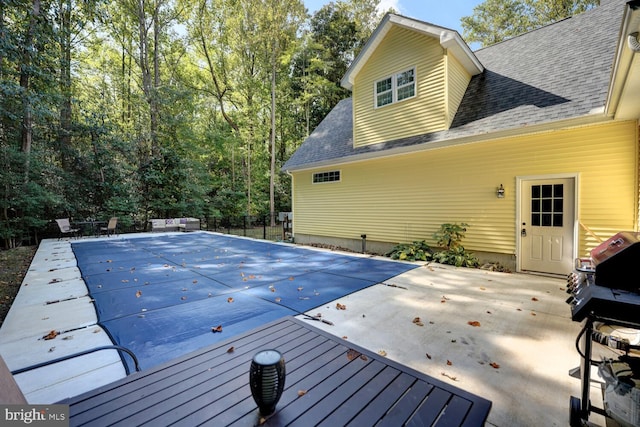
pixel 504 336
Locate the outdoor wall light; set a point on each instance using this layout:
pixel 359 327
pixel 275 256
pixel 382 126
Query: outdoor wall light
pixel 500 192
pixel 266 379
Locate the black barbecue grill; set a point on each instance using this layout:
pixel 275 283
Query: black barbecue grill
pixel 604 288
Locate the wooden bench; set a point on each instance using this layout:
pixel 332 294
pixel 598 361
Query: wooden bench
pixel 329 382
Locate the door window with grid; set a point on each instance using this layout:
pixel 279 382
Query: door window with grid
pixel 547 203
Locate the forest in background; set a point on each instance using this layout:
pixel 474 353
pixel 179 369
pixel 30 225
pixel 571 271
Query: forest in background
pixel 179 108
pixel 162 108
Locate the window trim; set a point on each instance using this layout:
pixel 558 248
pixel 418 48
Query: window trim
pixel 394 87
pixel 331 176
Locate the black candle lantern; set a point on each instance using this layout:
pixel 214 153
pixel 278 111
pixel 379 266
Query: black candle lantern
pixel 266 379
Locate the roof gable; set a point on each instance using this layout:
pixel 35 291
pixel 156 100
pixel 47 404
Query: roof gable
pixel 449 39
pixel 550 77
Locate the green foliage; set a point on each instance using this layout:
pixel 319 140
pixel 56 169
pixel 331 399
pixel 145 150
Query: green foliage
pixel 449 237
pixel 130 118
pixel 457 256
pixel 416 251
pixel 496 20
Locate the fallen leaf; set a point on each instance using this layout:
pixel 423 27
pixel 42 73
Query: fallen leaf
pixel 483 288
pixel 216 329
pixel 138 294
pixel 473 323
pixel 382 352
pixel 363 357
pixel 417 321
pixel 533 314
pixel 229 300
pixel 231 350
pixel 353 354
pixel 51 335
pixel 340 306
pixel 494 365
pixel 302 392
pixel 534 299
pixel 449 363
pixel 449 376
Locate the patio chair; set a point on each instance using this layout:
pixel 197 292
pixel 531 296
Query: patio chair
pixel 111 226
pixel 65 228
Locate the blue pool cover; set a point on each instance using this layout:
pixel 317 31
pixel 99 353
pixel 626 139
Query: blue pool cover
pixel 164 295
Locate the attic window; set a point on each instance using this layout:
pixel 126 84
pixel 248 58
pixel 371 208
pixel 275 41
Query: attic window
pixel 331 176
pixel 396 88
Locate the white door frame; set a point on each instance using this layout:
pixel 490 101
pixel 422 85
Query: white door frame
pixel 519 220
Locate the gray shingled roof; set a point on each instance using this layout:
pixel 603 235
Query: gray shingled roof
pixel 557 72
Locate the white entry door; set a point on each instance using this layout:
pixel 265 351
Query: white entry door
pixel 547 225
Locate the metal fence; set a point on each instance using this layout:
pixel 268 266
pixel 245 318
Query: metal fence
pixel 266 227
pixel 275 227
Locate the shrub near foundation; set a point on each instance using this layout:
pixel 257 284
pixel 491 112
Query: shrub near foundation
pixel 416 251
pixel 448 238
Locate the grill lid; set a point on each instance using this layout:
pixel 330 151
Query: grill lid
pixel 617 260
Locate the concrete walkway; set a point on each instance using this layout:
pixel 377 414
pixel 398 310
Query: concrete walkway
pixel 51 317
pixel 506 337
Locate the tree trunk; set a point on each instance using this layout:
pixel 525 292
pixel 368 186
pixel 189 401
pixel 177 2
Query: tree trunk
pixel 65 80
pixel 25 75
pixel 272 174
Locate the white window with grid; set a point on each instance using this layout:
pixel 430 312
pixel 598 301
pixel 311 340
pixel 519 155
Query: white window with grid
pixel 395 88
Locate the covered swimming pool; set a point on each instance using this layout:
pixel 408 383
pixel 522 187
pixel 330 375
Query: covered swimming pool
pixel 165 295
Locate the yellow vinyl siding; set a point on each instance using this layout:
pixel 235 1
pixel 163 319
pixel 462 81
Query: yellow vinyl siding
pixel 407 197
pixel 400 50
pixel 457 82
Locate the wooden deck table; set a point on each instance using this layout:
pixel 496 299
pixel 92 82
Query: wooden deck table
pixel 329 382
